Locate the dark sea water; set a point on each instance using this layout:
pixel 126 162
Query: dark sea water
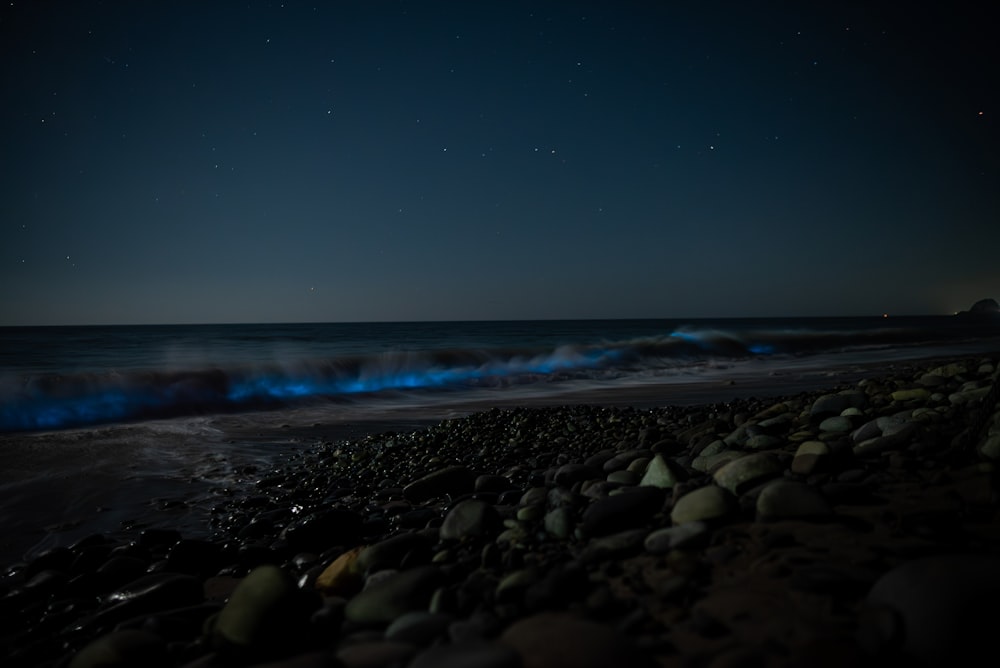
pixel 110 427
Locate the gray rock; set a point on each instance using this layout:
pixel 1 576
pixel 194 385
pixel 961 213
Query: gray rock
pixel 791 500
pixel 834 404
pixel 560 522
pixel 810 457
pixel 419 627
pixel 662 473
pixel 703 504
pixel 763 442
pixel 452 480
pixel 390 552
pixel 689 534
pixel 392 596
pixel 626 477
pixel 620 544
pixel 741 474
pixel 569 474
pixel 470 519
pixel 837 424
pixel 261 613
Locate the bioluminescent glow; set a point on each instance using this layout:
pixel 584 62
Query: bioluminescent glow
pixel 53 402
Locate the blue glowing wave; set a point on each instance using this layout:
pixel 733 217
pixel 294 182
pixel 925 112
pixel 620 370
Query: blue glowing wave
pixel 56 402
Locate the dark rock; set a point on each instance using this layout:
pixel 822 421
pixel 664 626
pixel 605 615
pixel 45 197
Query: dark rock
pixel 123 649
pixel 629 509
pixel 450 481
pixel 322 530
pixel 465 655
pixel 470 519
pixel 383 601
pixel 553 640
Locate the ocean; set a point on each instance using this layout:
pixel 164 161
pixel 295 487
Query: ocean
pixel 114 428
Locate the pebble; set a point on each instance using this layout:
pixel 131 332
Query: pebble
pixel 661 472
pixel 123 649
pixel 448 481
pixel 263 613
pixel 469 519
pixel 791 500
pixel 688 534
pixel 741 474
pixel 810 457
pixel 703 504
pixel 383 601
pixel 631 508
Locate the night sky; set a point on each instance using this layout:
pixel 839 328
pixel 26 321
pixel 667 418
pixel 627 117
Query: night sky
pixel 185 162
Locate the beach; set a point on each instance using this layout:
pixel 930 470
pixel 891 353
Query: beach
pixel 847 520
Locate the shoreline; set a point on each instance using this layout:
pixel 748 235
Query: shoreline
pixel 617 521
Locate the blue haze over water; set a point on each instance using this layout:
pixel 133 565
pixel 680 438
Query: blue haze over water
pixel 54 378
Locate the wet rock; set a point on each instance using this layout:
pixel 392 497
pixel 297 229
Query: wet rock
pixel 123 649
pixel 383 601
pixel 569 474
pixel 810 457
pixel 791 500
pixel 837 424
pixel 449 481
pixel 741 474
pixel 688 534
pixel 419 627
pixel 834 404
pixel 662 473
pixel 629 509
pixel 375 654
pixel 616 545
pixel 560 522
pixel 322 530
pixel 264 613
pixel 390 552
pixel 470 519
pixel 703 504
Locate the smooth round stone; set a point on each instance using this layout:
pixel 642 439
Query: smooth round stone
pixel 451 480
pixel 991 447
pixel 688 534
pixel 705 503
pixel 568 475
pixel 470 519
pixel 491 483
pixel 763 442
pixel 624 477
pixel 613 546
pixel 122 649
pixel 259 611
pixel 390 552
pixel 638 465
pixel 910 395
pixel 791 500
pixel 343 577
pixel 375 654
pixel 809 456
pixel 716 461
pixel 534 495
pixel 661 473
pixel 834 404
pixel 947 605
pixel 555 640
pixel 419 627
pixel 320 531
pixel 560 522
pixel 741 474
pixel 383 601
pixel 837 424
pixel 631 508
pixel 480 654
pixel 531 513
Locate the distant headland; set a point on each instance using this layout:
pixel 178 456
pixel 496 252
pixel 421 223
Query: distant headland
pixel 984 308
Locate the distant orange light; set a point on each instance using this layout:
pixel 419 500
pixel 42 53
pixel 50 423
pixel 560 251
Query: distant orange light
pixel 885 315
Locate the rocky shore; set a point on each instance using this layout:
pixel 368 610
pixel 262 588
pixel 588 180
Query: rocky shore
pixel 853 526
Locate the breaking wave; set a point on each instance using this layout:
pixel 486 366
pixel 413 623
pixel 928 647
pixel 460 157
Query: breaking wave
pixel 56 401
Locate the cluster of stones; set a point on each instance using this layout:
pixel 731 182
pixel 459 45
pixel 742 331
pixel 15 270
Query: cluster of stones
pixel 825 528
